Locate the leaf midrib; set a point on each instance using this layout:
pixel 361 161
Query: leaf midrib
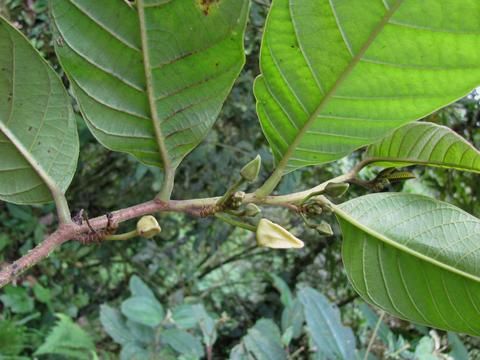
pixel 150 88
pixel 48 181
pixel 344 215
pixel 275 178
pixel 330 93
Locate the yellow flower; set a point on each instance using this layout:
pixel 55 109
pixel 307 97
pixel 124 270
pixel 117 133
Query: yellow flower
pixel 274 236
pixel 148 227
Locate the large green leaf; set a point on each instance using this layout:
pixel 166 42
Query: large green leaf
pixel 38 135
pixel 332 339
pixel 151 79
pixel 415 257
pixel 427 144
pixel 338 75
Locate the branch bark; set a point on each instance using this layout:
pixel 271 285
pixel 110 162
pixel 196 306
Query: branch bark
pixel 196 207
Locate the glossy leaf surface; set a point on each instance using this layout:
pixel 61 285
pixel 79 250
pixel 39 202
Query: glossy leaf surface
pixel 415 257
pixel 338 75
pixel 38 135
pixel 151 78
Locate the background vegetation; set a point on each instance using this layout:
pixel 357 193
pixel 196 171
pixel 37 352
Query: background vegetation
pixel 209 277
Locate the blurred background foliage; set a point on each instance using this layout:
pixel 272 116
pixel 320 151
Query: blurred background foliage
pixel 207 283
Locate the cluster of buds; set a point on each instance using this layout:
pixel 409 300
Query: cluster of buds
pixel 236 200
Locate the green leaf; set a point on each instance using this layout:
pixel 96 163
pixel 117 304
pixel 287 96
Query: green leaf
pixel 142 333
pixel 139 288
pixel 414 257
pixel 43 294
pixel 184 316
pixel 337 75
pixel 458 351
pixel 332 339
pixel 189 316
pixel 182 342
pixel 38 135
pixel 239 353
pixel 114 324
pixel 264 341
pixel 143 310
pixel 134 351
pixel 13 338
pixel 285 294
pixel 17 299
pixel 292 317
pixel 67 339
pixel 165 69
pixel 426 144
pixel 425 349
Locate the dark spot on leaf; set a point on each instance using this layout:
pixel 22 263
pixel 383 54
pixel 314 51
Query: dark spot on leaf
pixel 206 5
pixel 30 128
pixel 216 64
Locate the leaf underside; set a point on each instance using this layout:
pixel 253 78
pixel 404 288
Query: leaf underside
pixel 415 257
pixel 37 127
pixel 338 75
pixel 427 144
pixel 193 54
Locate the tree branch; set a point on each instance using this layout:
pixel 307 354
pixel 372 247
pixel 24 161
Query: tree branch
pixel 196 207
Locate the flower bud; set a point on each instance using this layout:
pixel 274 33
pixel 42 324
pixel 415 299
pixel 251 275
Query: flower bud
pixel 274 236
pixel 148 227
pixel 314 209
pixel 324 228
pixel 336 189
pixel 252 210
pixel 250 171
pixel 237 199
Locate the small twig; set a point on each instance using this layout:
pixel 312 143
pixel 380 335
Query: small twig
pixel 235 257
pixel 195 207
pixel 297 352
pixel 230 220
pixel 374 335
pixel 398 352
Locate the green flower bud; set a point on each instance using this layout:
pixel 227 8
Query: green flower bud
pixel 324 228
pixel 250 171
pixel 274 236
pixel 148 227
pixel 336 189
pixel 314 209
pixel 252 210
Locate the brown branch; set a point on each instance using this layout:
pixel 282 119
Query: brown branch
pixel 196 207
